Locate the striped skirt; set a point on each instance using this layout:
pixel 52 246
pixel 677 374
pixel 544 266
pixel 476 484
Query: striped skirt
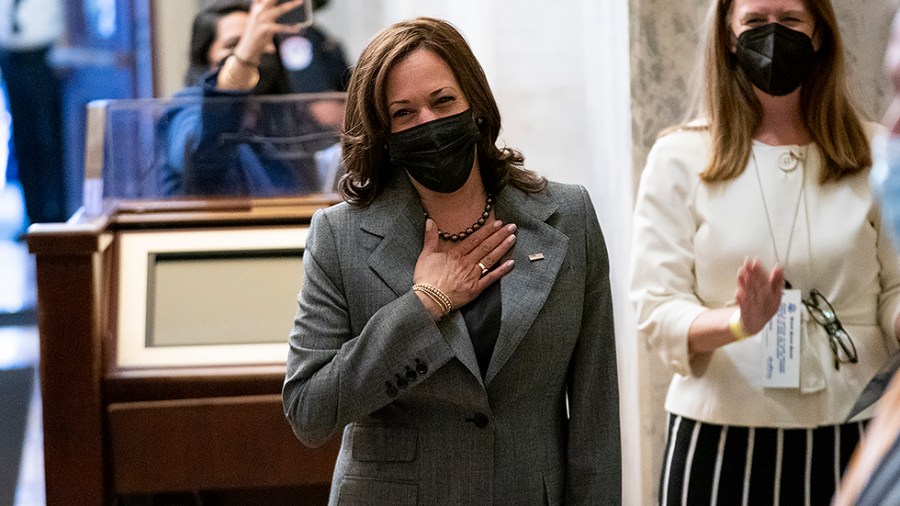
pixel 731 465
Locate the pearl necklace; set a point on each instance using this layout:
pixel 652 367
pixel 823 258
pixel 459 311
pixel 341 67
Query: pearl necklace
pixel 471 230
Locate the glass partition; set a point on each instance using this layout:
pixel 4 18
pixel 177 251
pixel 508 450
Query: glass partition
pixel 196 147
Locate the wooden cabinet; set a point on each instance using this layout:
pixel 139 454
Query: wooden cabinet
pixel 113 430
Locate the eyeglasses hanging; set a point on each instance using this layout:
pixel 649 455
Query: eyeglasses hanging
pixel 843 348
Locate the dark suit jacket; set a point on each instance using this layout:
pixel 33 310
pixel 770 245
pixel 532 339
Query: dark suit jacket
pixel 445 435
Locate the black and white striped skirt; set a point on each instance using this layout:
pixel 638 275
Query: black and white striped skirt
pixel 730 465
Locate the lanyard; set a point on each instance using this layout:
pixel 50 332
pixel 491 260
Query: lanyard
pixel 801 195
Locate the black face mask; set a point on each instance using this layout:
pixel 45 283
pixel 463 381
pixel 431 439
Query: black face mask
pixel 438 154
pixel 775 58
pixel 272 76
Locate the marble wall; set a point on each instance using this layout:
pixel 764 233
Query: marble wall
pixel 664 48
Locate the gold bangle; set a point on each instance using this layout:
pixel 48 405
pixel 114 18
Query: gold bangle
pixel 227 78
pixel 437 301
pixel 737 329
pixel 434 299
pixel 436 295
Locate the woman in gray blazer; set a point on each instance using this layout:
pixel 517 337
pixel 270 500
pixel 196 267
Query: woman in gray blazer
pixel 455 320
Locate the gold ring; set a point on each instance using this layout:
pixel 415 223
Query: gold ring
pixel 484 270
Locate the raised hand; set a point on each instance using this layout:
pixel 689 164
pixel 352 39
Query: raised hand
pixel 262 26
pixel 758 294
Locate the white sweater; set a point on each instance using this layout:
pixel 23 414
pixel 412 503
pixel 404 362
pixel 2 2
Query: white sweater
pixel 690 238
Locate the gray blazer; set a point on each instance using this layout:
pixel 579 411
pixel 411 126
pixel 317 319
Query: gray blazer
pixel 420 426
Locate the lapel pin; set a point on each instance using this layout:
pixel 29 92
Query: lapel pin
pixel 534 257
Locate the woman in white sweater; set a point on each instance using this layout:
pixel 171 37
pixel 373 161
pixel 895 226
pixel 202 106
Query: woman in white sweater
pixel 762 274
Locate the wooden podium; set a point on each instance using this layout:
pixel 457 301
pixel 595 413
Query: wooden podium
pixel 114 429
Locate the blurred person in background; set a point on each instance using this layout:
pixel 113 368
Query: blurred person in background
pixel 316 62
pixel 234 146
pixel 28 31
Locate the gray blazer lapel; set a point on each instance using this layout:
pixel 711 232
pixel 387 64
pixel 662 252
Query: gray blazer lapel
pixel 525 289
pixel 398 219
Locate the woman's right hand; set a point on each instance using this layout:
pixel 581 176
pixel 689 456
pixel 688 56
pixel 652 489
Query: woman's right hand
pixel 758 294
pixel 262 26
pixel 456 271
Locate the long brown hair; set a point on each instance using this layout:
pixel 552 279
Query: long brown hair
pixel 734 113
pixel 367 122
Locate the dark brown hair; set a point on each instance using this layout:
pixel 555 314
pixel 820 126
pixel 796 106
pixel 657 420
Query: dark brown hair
pixel 203 34
pixel 367 122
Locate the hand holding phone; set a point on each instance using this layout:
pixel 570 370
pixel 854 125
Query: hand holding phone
pixel 302 15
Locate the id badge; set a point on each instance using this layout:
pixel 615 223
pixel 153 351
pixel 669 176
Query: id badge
pixel 781 344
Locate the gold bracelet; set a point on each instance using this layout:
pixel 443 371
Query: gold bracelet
pixel 434 299
pixel 436 295
pixel 737 329
pixel 227 76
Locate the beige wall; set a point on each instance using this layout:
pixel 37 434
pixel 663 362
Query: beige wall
pixel 560 73
pixel 172 36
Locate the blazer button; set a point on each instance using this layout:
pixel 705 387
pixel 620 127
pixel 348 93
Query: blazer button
pixel 421 367
pixel 410 374
pixel 480 420
pixel 391 390
pixel 401 381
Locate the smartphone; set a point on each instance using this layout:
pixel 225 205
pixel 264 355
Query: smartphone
pixel 302 15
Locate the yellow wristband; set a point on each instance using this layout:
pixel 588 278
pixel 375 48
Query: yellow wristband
pixel 734 324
